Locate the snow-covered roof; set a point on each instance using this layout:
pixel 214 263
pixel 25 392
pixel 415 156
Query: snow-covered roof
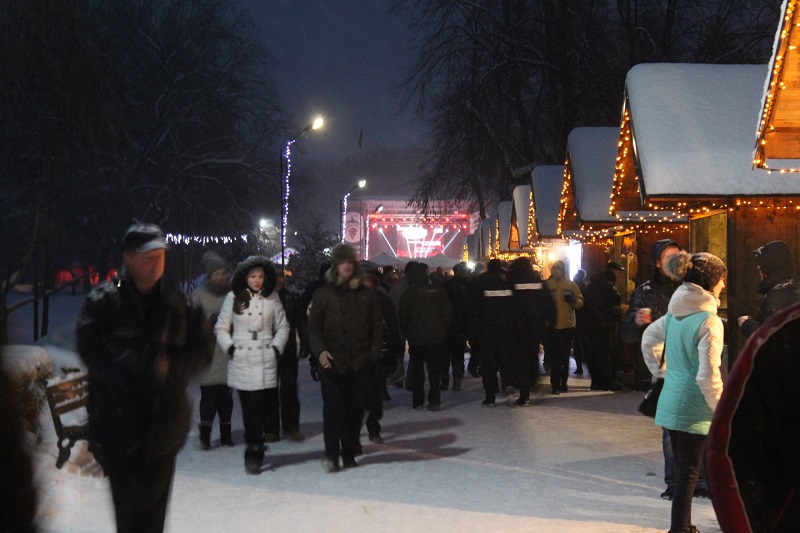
pixel 522 201
pixel 504 217
pixel 547 181
pixel 693 128
pixel 592 156
pixel 486 236
pixel 776 143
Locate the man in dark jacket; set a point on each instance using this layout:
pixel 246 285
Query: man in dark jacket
pixel 602 315
pixel 533 310
pixel 141 344
pixel 493 318
pixel 780 289
pixel 457 289
pixel 425 314
pixel 345 332
pixel 754 440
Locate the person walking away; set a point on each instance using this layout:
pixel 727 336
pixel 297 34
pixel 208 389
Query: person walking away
pixel 288 400
pixel 345 331
pixel 567 297
pixel 580 344
pixel 690 339
pixel 253 330
pixel 457 289
pixel 376 389
pixel 602 314
pixel 425 315
pixel 141 343
pixel 216 398
pixel 533 310
pixel 493 320
pixel 754 440
pixel 780 289
pixel 401 377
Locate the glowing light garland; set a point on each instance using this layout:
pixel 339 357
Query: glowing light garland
pixel 203 240
pixel 776 86
pixel 287 155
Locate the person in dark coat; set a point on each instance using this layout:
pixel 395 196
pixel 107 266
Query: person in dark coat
pixel 141 342
pixel 425 314
pixel 457 289
pixel 493 319
pixel 376 390
pixel 580 344
pixel 345 331
pixel 288 399
pixel 601 316
pixel 754 440
pixel 778 285
pixel 302 318
pixel 533 310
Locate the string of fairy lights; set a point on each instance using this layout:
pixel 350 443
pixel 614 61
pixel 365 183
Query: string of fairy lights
pixel 775 86
pixel 203 240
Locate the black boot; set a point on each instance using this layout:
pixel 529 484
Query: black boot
pixel 225 434
pixel 457 382
pixel 253 458
pixel 205 435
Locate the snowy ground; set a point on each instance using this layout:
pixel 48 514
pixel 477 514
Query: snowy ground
pixel 584 461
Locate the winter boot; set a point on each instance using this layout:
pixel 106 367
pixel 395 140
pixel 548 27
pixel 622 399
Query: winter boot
pixel 225 438
pixel 205 435
pixel 253 458
pixel 457 382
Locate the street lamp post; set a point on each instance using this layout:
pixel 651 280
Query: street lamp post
pixel 286 171
pixel 361 184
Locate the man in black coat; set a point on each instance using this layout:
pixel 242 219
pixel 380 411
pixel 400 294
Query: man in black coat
pixel 780 289
pixel 602 315
pixel 141 343
pixel 457 289
pixel 494 312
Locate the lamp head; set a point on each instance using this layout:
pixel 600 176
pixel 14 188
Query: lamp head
pixel 362 184
pixel 318 123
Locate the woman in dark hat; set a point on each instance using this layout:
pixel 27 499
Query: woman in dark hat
pixel 691 335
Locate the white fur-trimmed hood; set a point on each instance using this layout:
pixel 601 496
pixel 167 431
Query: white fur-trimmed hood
pixel 690 298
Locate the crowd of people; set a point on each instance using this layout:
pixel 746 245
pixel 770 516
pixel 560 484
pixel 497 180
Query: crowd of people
pixel 245 328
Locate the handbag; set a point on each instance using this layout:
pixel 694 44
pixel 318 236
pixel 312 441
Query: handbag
pixel 649 403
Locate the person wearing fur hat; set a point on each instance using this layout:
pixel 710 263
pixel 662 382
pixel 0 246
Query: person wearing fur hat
pixel 567 297
pixel 252 329
pixel 216 397
pixel 345 331
pixel 689 340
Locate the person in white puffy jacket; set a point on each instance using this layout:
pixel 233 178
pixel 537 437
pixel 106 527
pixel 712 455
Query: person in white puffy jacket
pixel 253 330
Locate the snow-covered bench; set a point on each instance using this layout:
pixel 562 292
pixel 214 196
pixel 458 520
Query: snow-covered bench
pixel 67 399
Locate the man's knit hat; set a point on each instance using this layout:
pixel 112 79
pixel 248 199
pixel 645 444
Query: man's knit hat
pixel 212 262
pixel 703 269
pixel 342 253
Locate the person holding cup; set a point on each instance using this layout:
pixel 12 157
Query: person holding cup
pixel 567 297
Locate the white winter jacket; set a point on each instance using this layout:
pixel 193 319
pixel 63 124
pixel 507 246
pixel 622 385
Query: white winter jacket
pixel 259 335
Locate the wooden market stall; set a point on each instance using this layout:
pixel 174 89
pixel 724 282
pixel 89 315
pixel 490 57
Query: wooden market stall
pixel 549 245
pixel 778 137
pixel 687 143
pixel 624 237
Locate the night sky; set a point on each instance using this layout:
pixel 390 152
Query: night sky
pixel 343 60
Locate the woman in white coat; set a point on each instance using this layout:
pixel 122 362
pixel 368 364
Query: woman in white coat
pixel 253 330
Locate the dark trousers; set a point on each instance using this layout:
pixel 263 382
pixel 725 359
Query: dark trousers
pixel 288 401
pixel 422 357
pixel 560 344
pixel 259 408
pixel 526 359
pixel 342 411
pixel 495 352
pixel 601 362
pixel 140 488
pixel 687 451
pixel 455 346
pixel 215 400
pixel 374 398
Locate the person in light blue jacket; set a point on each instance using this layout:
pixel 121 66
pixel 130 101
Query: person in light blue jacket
pixel 692 335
